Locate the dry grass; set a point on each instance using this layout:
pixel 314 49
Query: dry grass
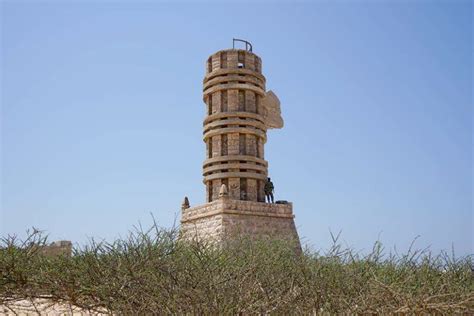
pixel 154 272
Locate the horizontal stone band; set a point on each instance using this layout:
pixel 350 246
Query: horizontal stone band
pixel 224 175
pixel 241 130
pixel 234 78
pixel 234 121
pixel 234 86
pixel 221 115
pixel 225 71
pixel 231 158
pixel 228 166
pixel 234 212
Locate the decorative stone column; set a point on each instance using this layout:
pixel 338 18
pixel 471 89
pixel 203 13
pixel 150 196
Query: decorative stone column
pixel 234 127
pixel 239 111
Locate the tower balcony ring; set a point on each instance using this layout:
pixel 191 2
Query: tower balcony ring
pixel 216 124
pixel 225 71
pixel 224 166
pixel 247 79
pixel 234 86
pixel 221 115
pixel 240 130
pixel 235 158
pixel 238 174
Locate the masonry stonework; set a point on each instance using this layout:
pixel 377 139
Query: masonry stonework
pixel 239 111
pixel 57 248
pixel 226 217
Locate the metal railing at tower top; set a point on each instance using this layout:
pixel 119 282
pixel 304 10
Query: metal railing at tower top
pixel 248 45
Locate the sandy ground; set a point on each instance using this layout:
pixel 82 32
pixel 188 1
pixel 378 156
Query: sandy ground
pixel 41 307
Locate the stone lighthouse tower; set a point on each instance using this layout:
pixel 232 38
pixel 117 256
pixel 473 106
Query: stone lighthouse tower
pixel 239 111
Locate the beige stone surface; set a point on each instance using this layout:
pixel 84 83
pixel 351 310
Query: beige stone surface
pixel 239 112
pixel 61 247
pixel 226 217
pixel 233 90
pixel 43 306
pixel 272 110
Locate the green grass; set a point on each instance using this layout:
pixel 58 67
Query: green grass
pixel 154 272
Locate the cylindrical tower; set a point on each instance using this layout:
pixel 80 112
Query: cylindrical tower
pixel 234 126
pixel 239 111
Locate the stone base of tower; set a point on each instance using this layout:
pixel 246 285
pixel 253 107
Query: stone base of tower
pixel 224 218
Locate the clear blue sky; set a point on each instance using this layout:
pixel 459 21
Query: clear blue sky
pixel 102 115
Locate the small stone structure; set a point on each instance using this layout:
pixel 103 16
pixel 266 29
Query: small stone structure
pixel 239 113
pixel 57 248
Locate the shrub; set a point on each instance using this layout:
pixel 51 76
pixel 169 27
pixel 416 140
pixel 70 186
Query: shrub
pixel 154 271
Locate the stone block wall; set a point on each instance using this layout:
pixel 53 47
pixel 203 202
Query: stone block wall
pixel 62 247
pixel 202 222
pixel 227 217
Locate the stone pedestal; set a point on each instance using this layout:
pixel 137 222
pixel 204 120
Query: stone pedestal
pixel 226 217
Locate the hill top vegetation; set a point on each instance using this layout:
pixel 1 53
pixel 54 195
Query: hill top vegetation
pixel 153 271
